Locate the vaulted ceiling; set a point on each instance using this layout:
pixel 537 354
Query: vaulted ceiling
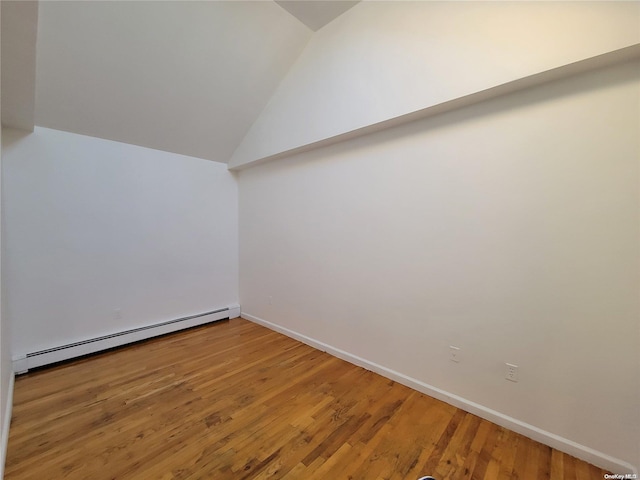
pixel 244 81
pixel 185 77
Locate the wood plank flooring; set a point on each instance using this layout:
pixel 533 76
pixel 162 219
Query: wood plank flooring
pixel 234 400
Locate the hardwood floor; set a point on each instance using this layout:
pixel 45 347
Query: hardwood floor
pixel 234 400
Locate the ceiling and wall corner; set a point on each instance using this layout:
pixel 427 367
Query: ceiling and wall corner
pixel 315 14
pixel 247 81
pixel 383 60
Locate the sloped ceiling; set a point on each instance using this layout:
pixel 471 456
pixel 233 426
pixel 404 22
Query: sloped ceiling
pixel 381 63
pixel 184 77
pixel 211 78
pixel 19 33
pixel 315 14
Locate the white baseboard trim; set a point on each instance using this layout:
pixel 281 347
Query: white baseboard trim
pixel 562 444
pixel 234 310
pixel 5 427
pixel 23 362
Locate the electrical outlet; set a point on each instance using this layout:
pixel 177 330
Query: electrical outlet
pixel 511 372
pixel 117 313
pixel 454 354
pixel 270 299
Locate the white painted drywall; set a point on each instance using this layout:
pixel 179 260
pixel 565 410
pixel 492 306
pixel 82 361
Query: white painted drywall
pixel 6 369
pixel 185 77
pixel 509 229
pixel 381 60
pixel 94 226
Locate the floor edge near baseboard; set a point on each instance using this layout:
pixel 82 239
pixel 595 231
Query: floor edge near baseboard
pixel 565 445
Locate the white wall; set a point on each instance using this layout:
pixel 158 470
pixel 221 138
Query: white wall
pixel 6 369
pixel 94 225
pixel 382 60
pixel 509 229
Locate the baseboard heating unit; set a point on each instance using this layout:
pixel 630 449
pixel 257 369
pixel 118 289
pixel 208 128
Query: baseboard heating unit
pixel 22 363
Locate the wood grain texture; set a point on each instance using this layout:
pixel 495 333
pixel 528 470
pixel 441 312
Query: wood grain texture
pixel 234 400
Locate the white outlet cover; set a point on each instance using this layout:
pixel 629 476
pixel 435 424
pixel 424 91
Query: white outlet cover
pixel 511 372
pixel 454 354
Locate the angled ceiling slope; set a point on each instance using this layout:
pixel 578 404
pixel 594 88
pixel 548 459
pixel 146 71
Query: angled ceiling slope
pixel 384 63
pixel 315 14
pixel 184 77
pixel 19 33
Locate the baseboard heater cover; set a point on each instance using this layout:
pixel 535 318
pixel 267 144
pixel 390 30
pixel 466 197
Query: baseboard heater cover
pixel 40 358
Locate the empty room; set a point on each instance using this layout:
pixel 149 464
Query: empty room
pixel 328 239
